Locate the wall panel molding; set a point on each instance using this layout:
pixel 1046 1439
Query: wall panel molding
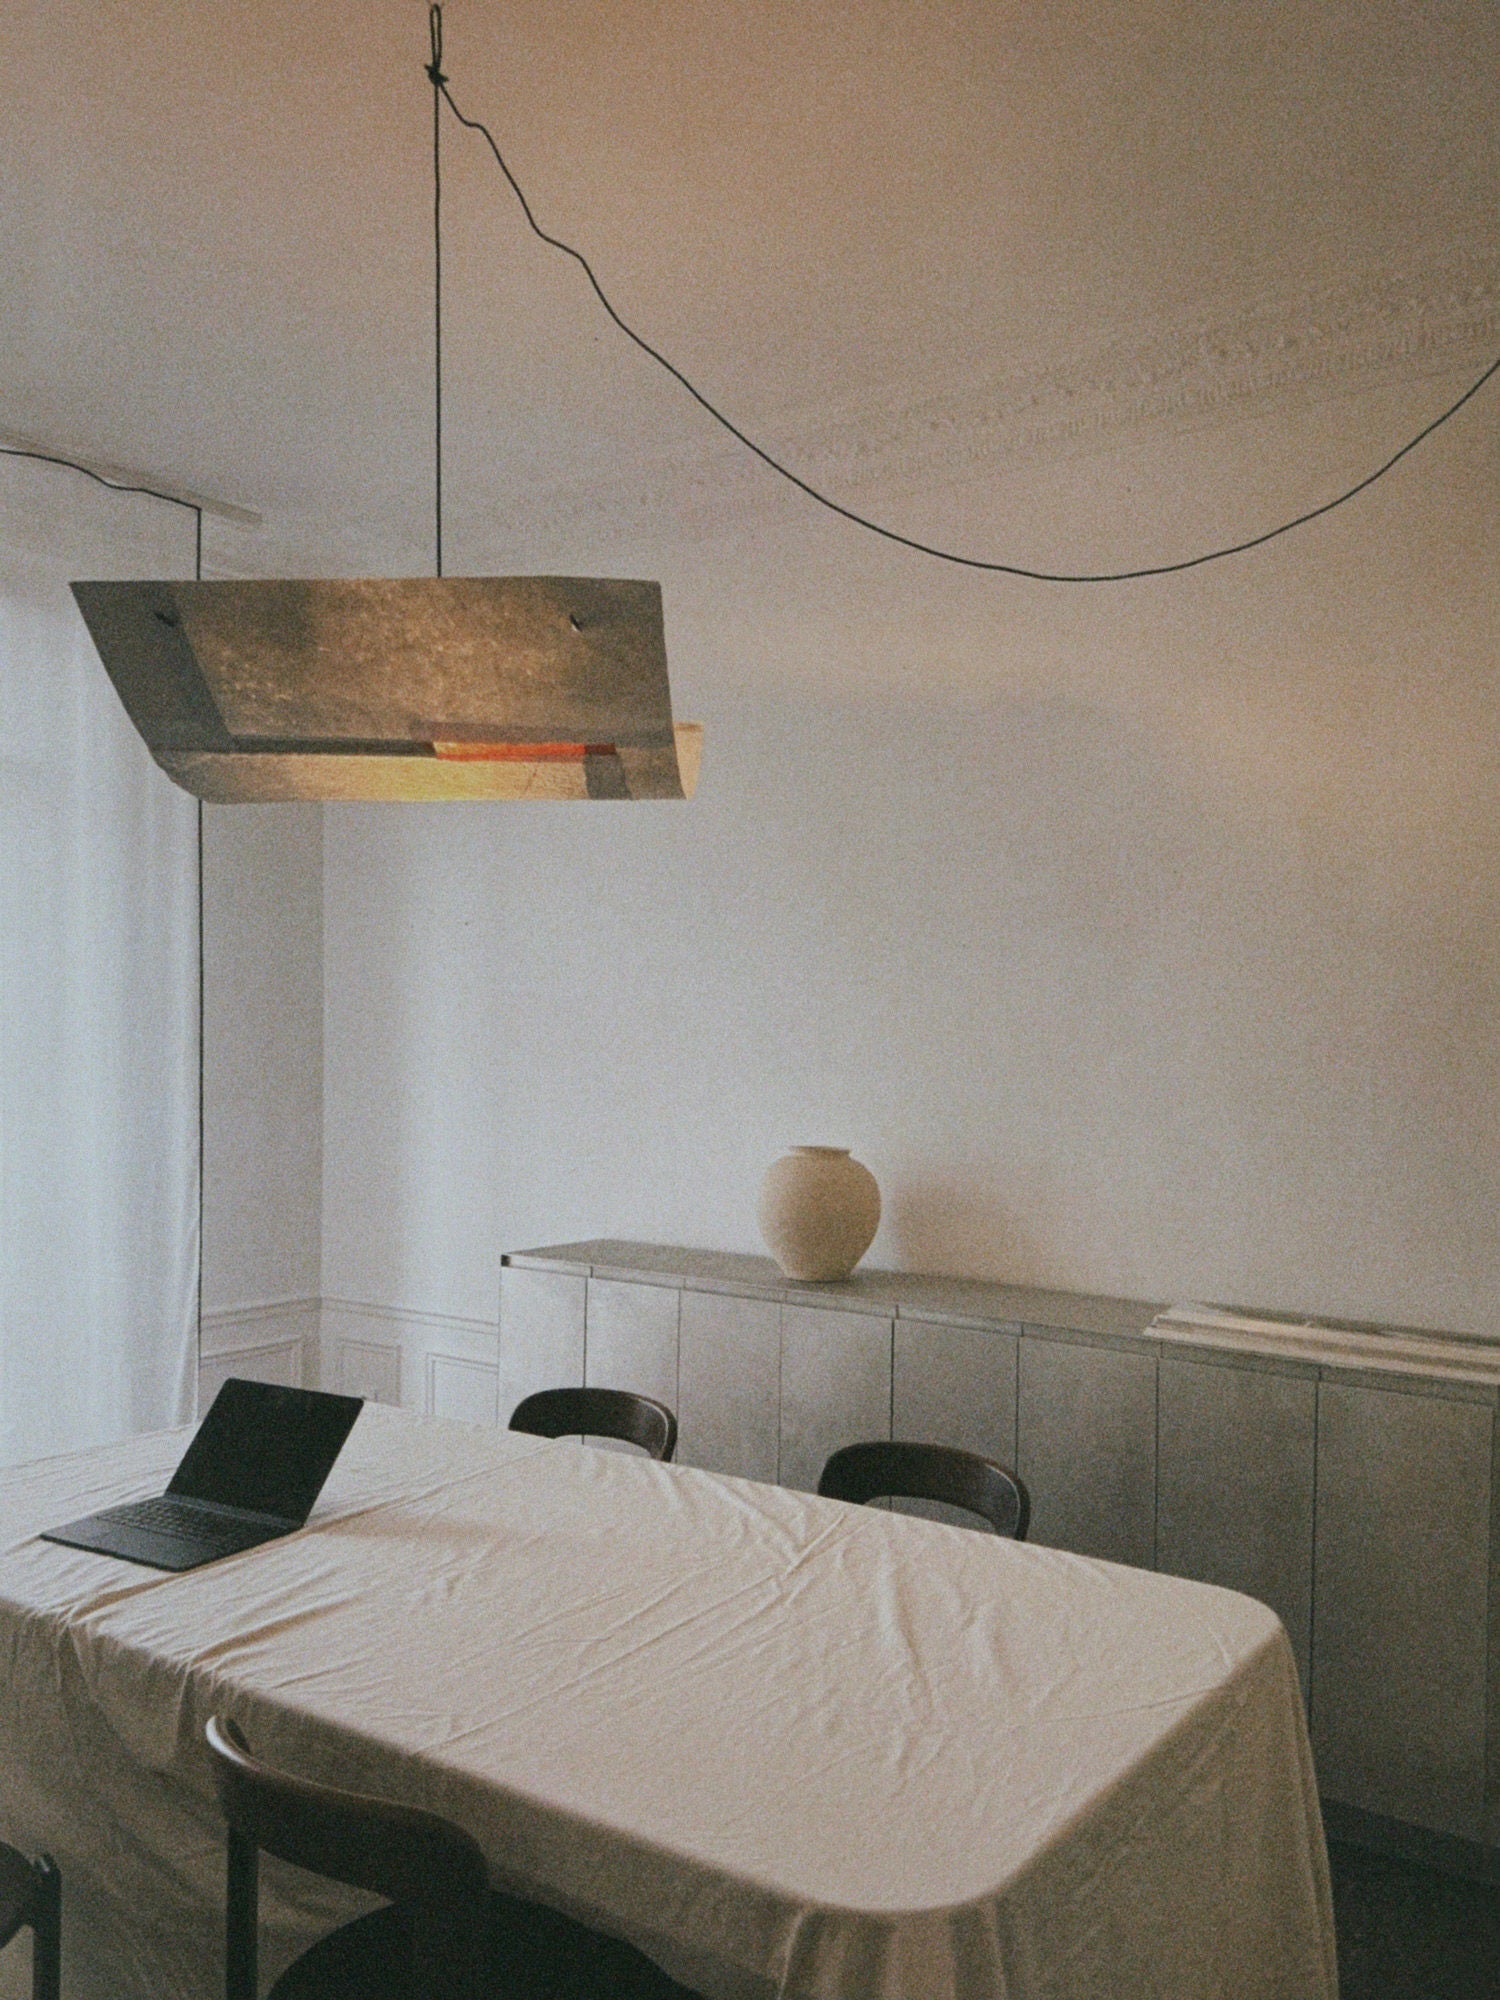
pixel 276 1341
pixel 434 1362
pixel 437 1363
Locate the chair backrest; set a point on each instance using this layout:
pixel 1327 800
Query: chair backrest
pixel 612 1413
pixel 425 1863
pixel 880 1471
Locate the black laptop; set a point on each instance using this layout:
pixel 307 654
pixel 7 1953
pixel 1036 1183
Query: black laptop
pixel 252 1472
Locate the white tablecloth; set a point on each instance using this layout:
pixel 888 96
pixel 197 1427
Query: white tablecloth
pixel 787 1746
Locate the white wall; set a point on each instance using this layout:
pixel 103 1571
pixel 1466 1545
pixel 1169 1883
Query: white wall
pixel 263 1090
pixel 1141 939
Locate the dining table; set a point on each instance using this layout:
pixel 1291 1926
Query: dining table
pixel 785 1746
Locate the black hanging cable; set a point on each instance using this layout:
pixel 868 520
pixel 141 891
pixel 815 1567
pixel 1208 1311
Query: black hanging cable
pixel 440 88
pixel 202 1025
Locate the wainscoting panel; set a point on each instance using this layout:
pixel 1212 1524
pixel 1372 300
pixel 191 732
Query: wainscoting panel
pixel 431 1362
pixel 465 1391
pixel 276 1361
pixel 262 1343
pixel 367 1368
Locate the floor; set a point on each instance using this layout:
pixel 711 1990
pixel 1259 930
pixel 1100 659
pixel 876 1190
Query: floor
pixel 1408 1933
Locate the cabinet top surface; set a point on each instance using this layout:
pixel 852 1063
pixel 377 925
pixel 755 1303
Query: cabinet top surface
pixel 906 1294
pixel 1396 1358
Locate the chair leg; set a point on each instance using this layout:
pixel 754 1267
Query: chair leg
pixel 241 1920
pixel 46 1941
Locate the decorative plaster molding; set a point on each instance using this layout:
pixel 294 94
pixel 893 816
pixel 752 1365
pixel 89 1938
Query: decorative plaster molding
pixel 1440 318
pixel 1237 358
pixel 1382 324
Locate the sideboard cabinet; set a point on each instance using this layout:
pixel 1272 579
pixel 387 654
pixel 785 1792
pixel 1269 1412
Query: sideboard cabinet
pixel 1353 1492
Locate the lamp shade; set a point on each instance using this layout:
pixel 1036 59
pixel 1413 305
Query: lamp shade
pixel 535 687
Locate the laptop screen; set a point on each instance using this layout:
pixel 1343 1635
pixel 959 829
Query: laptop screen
pixel 265 1448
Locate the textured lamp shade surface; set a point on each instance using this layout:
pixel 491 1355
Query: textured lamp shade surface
pixel 409 688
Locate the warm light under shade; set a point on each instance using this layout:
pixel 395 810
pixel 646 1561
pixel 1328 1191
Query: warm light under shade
pixel 409 688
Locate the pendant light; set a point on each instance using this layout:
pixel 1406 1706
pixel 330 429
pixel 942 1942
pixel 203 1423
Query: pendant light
pixel 415 688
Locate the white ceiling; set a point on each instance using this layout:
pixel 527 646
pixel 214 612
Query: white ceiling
pixel 216 230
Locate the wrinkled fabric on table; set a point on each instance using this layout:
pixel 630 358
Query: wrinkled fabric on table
pixel 786 1746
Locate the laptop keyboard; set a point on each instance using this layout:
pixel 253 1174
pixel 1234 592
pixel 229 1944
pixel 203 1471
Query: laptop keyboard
pixel 181 1520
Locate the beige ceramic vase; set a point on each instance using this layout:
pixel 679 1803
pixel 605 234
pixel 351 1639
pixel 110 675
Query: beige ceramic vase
pixel 818 1211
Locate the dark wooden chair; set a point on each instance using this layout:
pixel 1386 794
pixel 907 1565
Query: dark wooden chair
pixel 612 1413
pixel 445 1935
pixel 31 1898
pixel 426 1943
pixel 862 1472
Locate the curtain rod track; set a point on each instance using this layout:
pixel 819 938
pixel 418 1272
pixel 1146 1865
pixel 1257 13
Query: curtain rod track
pixel 123 475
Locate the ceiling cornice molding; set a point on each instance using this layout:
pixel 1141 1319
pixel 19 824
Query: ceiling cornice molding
pixel 1239 361
pixel 1381 325
pixel 1224 366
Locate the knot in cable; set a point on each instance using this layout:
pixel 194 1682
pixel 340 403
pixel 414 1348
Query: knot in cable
pixel 435 29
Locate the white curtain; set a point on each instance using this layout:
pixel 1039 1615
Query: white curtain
pixel 99 996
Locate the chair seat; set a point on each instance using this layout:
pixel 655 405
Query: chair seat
pixel 531 1953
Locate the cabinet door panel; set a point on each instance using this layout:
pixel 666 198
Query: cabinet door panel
pixel 729 1385
pixel 541 1333
pixel 954 1385
pixel 1235 1469
pixel 1086 1445
pixel 835 1387
pixel 1399 1590
pixel 631 1338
